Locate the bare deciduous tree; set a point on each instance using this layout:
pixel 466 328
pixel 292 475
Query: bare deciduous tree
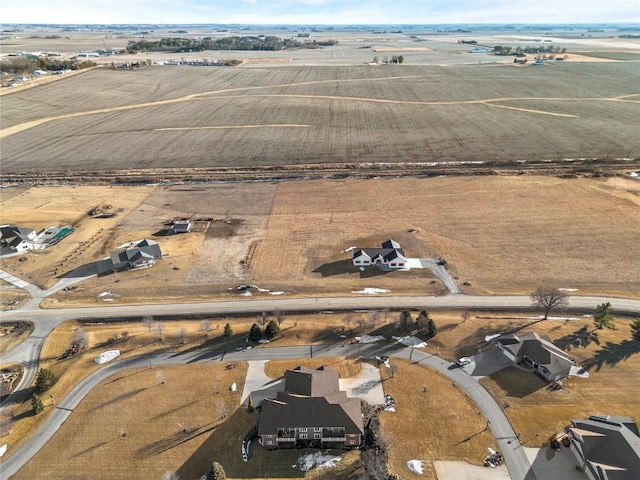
pixel 548 298
pixel 465 315
pixel 181 335
pixel 159 330
pixel 279 316
pixel 148 321
pixel 374 317
pixel 81 338
pixel 263 318
pixel 206 326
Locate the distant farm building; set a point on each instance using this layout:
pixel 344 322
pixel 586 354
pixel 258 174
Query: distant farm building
pixel 16 239
pixel 181 226
pixel 389 257
pixel 141 254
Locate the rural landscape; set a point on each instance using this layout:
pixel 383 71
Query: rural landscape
pixel 324 252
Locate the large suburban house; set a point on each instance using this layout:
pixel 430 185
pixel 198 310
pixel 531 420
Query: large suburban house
pixel 389 257
pixel 140 254
pixel 16 239
pixel 311 411
pixel 606 447
pixel 537 352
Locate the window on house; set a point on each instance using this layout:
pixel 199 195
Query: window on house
pixel 270 442
pixel 303 436
pixel 316 436
pixel 303 429
pixel 317 429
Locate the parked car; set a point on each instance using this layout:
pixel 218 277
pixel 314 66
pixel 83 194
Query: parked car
pixel 462 361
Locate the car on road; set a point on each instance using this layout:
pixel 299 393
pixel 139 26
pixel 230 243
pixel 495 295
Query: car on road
pixel 462 361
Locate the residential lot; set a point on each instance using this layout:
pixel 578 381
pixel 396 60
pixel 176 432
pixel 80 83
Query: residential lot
pixel 497 234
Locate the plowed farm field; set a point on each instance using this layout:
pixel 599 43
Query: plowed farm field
pixel 161 117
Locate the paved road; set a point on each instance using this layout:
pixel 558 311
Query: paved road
pixel 515 458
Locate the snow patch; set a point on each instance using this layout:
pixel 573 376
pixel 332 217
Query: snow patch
pixel 370 338
pixel 415 466
pixel 277 293
pixel 411 341
pixel 104 294
pixel 3 449
pixel 107 356
pixel 568 289
pixel 372 291
pixel 318 460
pixel 577 371
pixel 634 174
pixel 488 338
pixel 347 250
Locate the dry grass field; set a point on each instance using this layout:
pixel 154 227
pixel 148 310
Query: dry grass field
pixel 162 429
pixel 499 234
pixel 421 428
pixel 201 117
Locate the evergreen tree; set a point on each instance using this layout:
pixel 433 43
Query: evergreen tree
pixel 255 334
pixel 216 472
pixel 45 380
pixel 635 329
pixel 228 331
pixel 603 317
pixel 36 404
pixel 433 329
pixel 272 329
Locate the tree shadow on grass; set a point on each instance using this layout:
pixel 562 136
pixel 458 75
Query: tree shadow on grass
pixel 178 438
pixel 611 354
pixel 579 339
pixel 518 383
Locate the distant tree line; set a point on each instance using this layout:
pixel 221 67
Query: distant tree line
pixel 268 42
pixel 506 50
pixel 22 64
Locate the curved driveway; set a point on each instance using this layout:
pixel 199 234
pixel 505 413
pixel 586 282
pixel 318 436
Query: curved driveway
pixel 515 458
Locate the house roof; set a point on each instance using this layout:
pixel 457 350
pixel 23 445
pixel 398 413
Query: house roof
pixel 390 244
pixel 610 445
pixel 311 398
pixel 390 250
pixel 12 230
pixel 539 349
pixel 310 382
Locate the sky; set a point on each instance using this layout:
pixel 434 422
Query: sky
pixel 318 12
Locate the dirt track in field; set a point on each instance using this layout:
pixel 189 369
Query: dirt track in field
pixel 492 102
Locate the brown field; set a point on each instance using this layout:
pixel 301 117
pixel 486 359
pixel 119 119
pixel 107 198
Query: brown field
pixel 421 429
pixel 12 334
pixel 500 234
pixel 162 429
pixel 353 114
pixel 612 360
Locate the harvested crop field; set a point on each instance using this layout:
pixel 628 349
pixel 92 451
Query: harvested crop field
pixel 207 117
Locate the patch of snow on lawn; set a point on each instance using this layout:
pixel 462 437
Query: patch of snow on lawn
pixel 568 289
pixel 104 294
pixel 370 338
pixel 347 250
pixel 410 341
pixel 318 460
pixel 372 291
pixel 634 174
pixel 415 466
pixel 246 293
pixel 277 293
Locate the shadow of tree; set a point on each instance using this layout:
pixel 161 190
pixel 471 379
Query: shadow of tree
pixel 476 342
pixel 612 354
pixel 579 339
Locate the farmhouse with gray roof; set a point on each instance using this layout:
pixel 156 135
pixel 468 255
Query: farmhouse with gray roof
pixel 389 257
pixel 606 447
pixel 143 253
pixel 311 411
pixel 537 352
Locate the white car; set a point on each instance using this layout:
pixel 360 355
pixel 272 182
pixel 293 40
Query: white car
pixel 462 361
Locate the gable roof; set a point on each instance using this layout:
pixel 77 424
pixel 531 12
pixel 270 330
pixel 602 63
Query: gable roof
pixel 610 446
pixel 538 348
pixel 311 398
